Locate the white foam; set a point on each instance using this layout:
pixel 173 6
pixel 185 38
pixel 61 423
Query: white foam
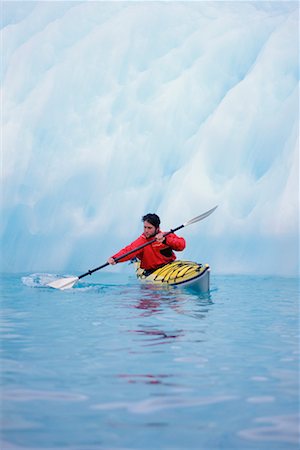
pixel 38 279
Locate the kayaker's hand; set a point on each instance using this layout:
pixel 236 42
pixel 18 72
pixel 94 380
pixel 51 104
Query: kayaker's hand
pixel 111 261
pixel 160 237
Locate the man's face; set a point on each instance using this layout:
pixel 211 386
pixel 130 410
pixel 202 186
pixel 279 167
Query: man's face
pixel 149 230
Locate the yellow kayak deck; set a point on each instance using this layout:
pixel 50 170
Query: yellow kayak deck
pixel 178 273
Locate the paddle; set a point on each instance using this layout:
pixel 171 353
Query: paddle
pixel 68 282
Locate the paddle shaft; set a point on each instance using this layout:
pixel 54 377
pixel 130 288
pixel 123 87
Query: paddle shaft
pixel 89 272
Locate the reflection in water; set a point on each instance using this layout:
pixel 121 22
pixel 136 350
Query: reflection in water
pixel 145 378
pixel 149 306
pixel 154 299
pixel 159 336
pixel 161 303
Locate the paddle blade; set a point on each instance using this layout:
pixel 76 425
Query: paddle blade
pixel 201 217
pixel 63 283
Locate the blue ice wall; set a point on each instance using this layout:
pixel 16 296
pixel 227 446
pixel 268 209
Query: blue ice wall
pixel 111 110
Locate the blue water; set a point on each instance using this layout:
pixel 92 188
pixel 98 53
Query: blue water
pixel 114 365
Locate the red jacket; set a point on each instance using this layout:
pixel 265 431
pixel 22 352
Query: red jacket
pixel 156 254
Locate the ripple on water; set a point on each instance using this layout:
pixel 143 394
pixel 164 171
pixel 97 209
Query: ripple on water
pixel 261 399
pixel 157 404
pixel 24 395
pixel 274 428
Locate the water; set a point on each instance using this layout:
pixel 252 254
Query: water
pixel 112 364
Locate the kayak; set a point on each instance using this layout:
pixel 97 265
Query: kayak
pixel 199 280
pixel 178 273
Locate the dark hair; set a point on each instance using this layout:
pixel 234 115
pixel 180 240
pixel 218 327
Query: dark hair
pixel 152 218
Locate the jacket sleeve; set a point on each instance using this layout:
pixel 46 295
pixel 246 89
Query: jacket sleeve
pixel 175 242
pixel 139 241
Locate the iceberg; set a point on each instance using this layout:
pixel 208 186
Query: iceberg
pixel 111 110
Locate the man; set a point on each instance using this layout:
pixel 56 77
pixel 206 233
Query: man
pixel 156 254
